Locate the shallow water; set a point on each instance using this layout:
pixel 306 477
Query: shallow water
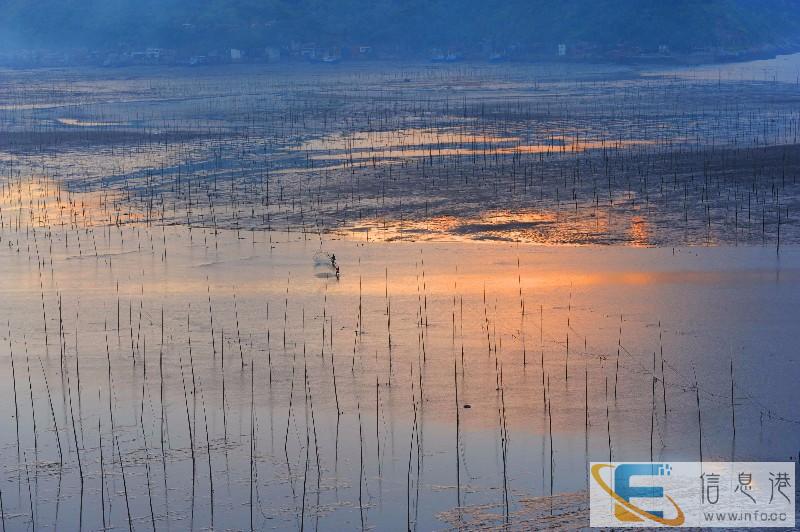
pixel 171 336
pixel 617 156
pixel 783 68
pixel 455 307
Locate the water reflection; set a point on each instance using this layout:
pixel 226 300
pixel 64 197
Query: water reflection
pixel 383 146
pixel 341 367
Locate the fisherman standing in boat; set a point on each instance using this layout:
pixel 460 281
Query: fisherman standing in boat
pixel 323 259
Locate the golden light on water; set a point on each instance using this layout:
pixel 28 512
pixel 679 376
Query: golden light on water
pixel 44 203
pixel 420 143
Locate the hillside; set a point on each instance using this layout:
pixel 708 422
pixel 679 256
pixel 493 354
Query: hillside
pixel 402 25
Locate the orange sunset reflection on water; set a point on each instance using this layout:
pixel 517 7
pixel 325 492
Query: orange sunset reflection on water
pixel 415 143
pixel 46 203
pixel 540 227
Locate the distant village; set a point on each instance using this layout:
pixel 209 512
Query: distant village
pixel 314 53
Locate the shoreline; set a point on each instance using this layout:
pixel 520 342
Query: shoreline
pixel 670 59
